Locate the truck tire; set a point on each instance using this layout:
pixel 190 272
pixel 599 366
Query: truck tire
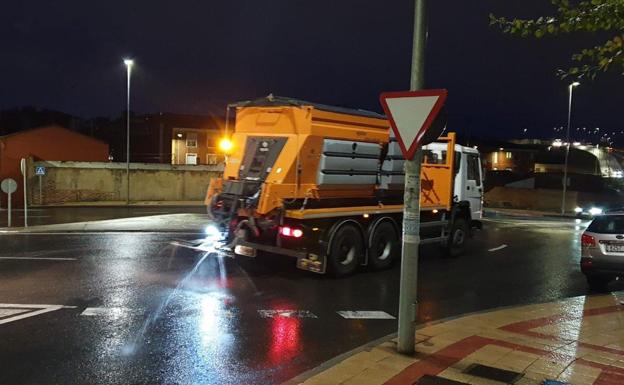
pixel 456 243
pixel 345 250
pixel 384 246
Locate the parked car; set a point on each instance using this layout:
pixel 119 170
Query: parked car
pixel 602 249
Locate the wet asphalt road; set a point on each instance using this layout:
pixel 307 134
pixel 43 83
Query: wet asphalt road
pixel 157 316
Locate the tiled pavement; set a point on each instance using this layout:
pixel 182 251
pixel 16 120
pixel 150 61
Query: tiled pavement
pixel 577 341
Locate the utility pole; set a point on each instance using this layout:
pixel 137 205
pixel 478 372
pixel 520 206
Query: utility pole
pixel 567 153
pixel 129 63
pixel 408 300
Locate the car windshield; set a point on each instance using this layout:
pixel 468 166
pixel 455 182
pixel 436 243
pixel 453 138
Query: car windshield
pixel 607 224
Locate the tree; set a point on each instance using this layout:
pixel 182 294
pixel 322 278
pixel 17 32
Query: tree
pixel 603 16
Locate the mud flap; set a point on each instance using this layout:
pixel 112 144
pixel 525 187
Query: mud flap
pixel 314 263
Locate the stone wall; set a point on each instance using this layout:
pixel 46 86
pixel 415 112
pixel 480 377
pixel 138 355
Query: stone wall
pixel 543 199
pixel 102 182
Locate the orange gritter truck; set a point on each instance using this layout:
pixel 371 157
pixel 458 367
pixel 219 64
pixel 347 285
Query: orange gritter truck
pixel 325 184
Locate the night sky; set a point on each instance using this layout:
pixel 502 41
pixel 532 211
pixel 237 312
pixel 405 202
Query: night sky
pixel 195 56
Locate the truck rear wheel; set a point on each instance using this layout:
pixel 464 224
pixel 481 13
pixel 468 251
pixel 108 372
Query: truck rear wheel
pixel 384 246
pixel 456 243
pixel 345 250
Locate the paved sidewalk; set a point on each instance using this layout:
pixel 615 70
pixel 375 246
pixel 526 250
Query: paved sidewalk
pixel 578 341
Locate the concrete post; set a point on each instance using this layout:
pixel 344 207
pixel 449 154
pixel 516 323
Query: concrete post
pixel 408 300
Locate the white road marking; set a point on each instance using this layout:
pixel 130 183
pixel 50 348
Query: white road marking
pixel 365 314
pixel 107 311
pixel 103 232
pixel 39 258
pixel 286 314
pixel 21 311
pixel 498 248
pixel 8 312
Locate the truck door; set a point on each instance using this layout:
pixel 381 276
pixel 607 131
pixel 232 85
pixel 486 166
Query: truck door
pixel 474 187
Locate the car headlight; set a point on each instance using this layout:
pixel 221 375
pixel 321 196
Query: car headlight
pixel 595 211
pixel 578 210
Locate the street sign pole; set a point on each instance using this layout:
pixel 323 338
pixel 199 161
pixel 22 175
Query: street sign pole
pixel 40 193
pixel 9 207
pixel 8 186
pixel 24 173
pixel 408 297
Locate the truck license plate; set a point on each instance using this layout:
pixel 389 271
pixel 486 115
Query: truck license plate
pixel 245 251
pixel 615 248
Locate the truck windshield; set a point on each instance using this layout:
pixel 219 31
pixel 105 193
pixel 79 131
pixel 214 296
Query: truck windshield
pixel 434 156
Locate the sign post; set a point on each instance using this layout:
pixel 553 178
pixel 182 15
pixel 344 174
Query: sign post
pixel 40 171
pixel 24 174
pixel 412 115
pixel 8 186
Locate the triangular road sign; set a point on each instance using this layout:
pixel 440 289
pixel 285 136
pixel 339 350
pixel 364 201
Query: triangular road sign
pixel 411 114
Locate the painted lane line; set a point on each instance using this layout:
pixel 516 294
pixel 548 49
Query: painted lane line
pixel 498 248
pixel 103 232
pixel 286 314
pixel 364 314
pixel 32 306
pixel 38 259
pixel 21 311
pixel 10 312
pixel 109 311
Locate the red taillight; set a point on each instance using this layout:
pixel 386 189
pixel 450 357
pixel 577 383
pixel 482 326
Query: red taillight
pixel 586 264
pixel 588 241
pixel 290 232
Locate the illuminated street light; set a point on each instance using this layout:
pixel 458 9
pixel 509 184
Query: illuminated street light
pixel 129 63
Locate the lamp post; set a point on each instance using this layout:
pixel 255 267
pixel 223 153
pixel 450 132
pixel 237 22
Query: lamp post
pixel 567 154
pixel 129 63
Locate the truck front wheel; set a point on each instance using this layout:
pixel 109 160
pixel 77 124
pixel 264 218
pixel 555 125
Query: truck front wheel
pixel 456 243
pixel 345 250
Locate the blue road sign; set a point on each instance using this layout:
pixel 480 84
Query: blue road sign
pixel 40 170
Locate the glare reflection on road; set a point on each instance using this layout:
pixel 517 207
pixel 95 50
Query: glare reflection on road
pixel 285 339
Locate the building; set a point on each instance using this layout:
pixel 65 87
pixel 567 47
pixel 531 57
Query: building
pixel 516 158
pixel 164 138
pixel 45 143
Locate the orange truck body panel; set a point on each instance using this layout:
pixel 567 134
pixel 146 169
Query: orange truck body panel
pixel 294 174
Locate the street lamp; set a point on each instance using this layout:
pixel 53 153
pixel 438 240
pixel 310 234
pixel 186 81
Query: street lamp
pixel 567 154
pixel 129 63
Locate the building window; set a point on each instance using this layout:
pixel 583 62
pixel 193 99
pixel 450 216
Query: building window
pixel 211 159
pixel 508 155
pixel 191 140
pixel 495 158
pixel 191 158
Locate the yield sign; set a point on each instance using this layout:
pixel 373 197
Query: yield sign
pixel 411 114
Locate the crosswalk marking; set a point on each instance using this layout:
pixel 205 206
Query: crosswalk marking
pixel 286 314
pixel 365 314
